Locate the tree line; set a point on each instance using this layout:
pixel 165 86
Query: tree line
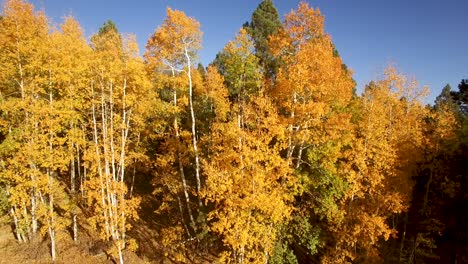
pixel 268 155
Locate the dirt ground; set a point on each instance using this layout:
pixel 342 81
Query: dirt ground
pixel 68 252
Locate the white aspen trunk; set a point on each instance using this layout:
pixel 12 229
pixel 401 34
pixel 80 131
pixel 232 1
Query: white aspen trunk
pixel 52 227
pixel 73 193
pixel 111 133
pixel 13 210
pixel 33 213
pixel 80 175
pixel 241 254
pixel 181 210
pixel 112 170
pixel 107 173
pixel 52 244
pixel 194 130
pixel 184 183
pixel 291 146
pixel 179 160
pixel 23 97
pixel 19 237
pixel 26 217
pixel 72 150
pixel 98 159
pixel 33 192
pixel 49 220
pixel 50 179
pixel 299 155
pixel 124 135
pixel 119 248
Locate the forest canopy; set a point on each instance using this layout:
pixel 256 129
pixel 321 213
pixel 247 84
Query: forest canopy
pixel 267 155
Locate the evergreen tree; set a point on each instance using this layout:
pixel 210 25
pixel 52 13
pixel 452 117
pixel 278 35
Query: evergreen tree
pixel 444 96
pixel 461 96
pixel 265 23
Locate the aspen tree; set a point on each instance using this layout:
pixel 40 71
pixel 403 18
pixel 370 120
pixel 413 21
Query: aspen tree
pixel 71 75
pixel 116 88
pixel 244 168
pixel 21 29
pixel 173 48
pixel 380 166
pixel 313 93
pixel 37 155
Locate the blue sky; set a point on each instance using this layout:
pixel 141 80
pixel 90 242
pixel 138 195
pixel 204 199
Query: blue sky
pixel 425 39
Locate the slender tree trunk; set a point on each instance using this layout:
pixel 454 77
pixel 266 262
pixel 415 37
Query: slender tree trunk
pixel 33 213
pixel 13 213
pixel 82 176
pixel 179 160
pixel 194 130
pixel 33 189
pixel 403 237
pixel 299 155
pixel 109 160
pixel 51 180
pixel 52 228
pixel 73 193
pixel 20 83
pixel 134 168
pixel 50 219
pixel 126 114
pixel 18 232
pixel 181 210
pixel 119 247
pixel 100 172
pixel 291 144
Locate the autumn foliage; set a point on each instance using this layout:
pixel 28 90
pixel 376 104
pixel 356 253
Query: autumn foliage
pixel 268 155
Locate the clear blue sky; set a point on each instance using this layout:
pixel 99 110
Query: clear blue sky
pixel 425 38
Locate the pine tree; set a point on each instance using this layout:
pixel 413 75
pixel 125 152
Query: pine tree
pixel 265 23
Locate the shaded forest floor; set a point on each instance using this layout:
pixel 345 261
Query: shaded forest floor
pixel 82 252
pixel 145 230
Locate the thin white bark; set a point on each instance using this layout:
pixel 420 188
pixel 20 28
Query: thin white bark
pixel 13 210
pixel 73 193
pixel 51 222
pixel 291 145
pixel 98 160
pixel 299 155
pixel 194 130
pixel 181 210
pixel 18 232
pixel 107 167
pixel 33 213
pixel 179 160
pixel 81 176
